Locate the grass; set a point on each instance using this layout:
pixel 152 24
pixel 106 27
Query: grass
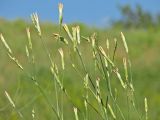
pixel 75 92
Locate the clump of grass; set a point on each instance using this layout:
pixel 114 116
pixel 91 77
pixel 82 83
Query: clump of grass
pixel 97 99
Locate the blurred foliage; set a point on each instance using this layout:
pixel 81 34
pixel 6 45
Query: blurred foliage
pixel 137 18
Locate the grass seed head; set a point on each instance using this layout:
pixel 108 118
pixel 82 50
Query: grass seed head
pixel 62 39
pixel 60 8
pixel 85 104
pixel 93 40
pixel 105 62
pixel 74 33
pixel 120 79
pixel 124 42
pixel 86 81
pixel 111 111
pixel 78 34
pixel 146 104
pixel 10 99
pixel 86 38
pixel 67 31
pixel 16 61
pixel 146 107
pixel 125 68
pixel 75 113
pixel 29 38
pixel 35 21
pixel 107 44
pixel 102 51
pixel 106 57
pixel 27 51
pixel 5 44
pixel 62 57
pixel 33 114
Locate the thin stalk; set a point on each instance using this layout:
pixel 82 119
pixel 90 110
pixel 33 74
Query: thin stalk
pixel 62 99
pixel 84 67
pixel 57 101
pixel 95 109
pixel 115 49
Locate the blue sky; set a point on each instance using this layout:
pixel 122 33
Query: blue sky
pixel 92 12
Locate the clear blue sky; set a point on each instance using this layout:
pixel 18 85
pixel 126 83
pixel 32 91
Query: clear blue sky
pixel 92 12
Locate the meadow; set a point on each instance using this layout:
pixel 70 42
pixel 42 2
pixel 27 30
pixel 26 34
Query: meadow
pixel 30 101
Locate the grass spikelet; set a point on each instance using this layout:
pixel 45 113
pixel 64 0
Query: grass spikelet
pixel 102 51
pixel 5 44
pixel 10 100
pixel 29 38
pixel 33 114
pixel 86 81
pixel 98 90
pixel 86 38
pixel 78 34
pixel 104 54
pixel 146 108
pixel 111 111
pixel 75 113
pixel 35 21
pixel 67 31
pixel 62 39
pixel 120 78
pixel 60 8
pixel 93 40
pixel 107 44
pixel 62 57
pixel 74 32
pixel 27 51
pixel 105 62
pixel 16 61
pixel 124 42
pixel 125 68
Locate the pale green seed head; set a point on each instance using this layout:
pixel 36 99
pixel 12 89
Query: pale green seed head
pixel 62 57
pixel 29 38
pixel 33 114
pixel 74 33
pixel 78 34
pixel 10 99
pixel 111 111
pixel 86 79
pixel 75 113
pixel 125 68
pixel 60 8
pixel 16 61
pixel 5 44
pixel 27 51
pixel 107 44
pixel 120 79
pixel 35 21
pixel 124 42
pixel 102 51
pixel 146 104
pixel 67 31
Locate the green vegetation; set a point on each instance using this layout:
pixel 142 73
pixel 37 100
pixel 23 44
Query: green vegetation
pixel 34 88
pixel 137 18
